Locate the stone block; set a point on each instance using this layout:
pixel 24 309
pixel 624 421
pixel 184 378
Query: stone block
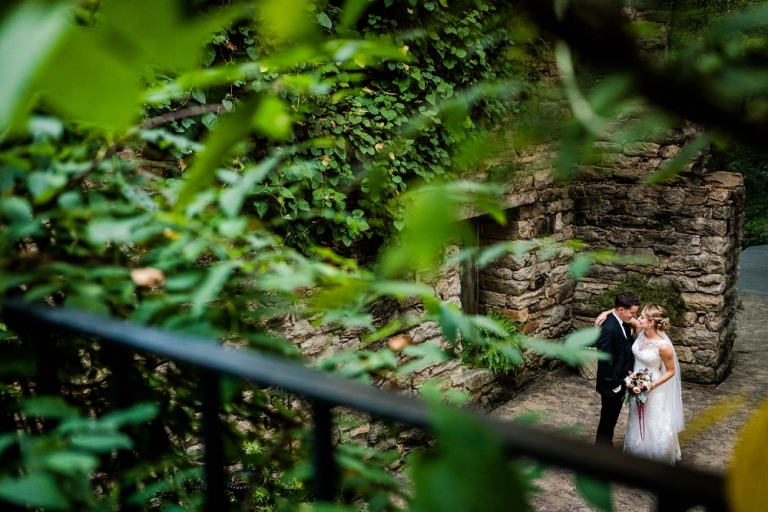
pixel 716 320
pixel 697 373
pixel 705 357
pixel 725 179
pixel 517 315
pixel 473 379
pixel 349 346
pixel 649 149
pixel 608 147
pixel 669 151
pixel 714 289
pixel 684 354
pixel 504 287
pixel 692 337
pixel 315 345
pixel 700 226
pixel 649 164
pixel 718 196
pixel 717 244
pixel 516 199
pixel 673 195
pixel 723 212
pixel 529 327
pixel 449 287
pixel 695 198
pixel 632 175
pixel 701 302
pixel 492 299
pixel 553 316
pixel 425 331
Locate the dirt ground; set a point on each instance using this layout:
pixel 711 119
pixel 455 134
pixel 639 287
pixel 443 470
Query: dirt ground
pixel 566 400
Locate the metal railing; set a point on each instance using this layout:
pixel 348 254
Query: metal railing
pixel 677 488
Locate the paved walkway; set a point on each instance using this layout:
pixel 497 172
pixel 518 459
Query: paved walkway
pixel 565 400
pixel 753 271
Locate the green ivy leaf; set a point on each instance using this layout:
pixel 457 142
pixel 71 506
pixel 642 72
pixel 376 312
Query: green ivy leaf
pixel 596 492
pixel 273 119
pixel 580 266
pixel 139 413
pixel 28 35
pixel 427 354
pixel 232 199
pixel 674 165
pixel 66 462
pixel 199 95
pixel 468 472
pixel 324 20
pixel 218 144
pixel 16 209
pixel 402 289
pixel 36 490
pixel 48 407
pixel 102 442
pixel 210 288
pixel 573 350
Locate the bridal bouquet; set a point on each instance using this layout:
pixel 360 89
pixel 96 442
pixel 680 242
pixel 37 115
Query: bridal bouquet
pixel 638 380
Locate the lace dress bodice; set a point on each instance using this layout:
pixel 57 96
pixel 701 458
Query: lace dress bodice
pixel 659 441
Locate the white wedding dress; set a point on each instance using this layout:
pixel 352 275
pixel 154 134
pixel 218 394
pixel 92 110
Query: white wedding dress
pixel 662 412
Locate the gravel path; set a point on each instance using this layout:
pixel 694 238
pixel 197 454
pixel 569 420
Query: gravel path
pixel 565 400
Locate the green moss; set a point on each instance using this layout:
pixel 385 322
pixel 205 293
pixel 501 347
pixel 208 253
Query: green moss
pixel 496 353
pixel 667 295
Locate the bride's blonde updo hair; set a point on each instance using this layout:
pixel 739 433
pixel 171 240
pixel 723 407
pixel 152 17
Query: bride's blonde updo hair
pixel 659 316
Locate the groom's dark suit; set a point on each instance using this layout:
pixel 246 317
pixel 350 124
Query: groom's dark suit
pixel 611 374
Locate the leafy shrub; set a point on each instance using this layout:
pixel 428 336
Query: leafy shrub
pixel 499 354
pixel 753 166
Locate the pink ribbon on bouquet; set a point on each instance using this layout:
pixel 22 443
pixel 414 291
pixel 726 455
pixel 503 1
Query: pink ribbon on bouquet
pixel 641 419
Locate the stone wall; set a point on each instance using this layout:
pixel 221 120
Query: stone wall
pixel 535 289
pixel 485 388
pixel 691 233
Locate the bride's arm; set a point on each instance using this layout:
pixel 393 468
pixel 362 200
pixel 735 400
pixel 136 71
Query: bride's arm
pixel 602 316
pixel 667 355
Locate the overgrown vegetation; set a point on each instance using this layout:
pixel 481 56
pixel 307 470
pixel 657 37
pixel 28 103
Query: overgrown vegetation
pixel 418 120
pixel 689 24
pixel 753 165
pixel 495 352
pixel 665 294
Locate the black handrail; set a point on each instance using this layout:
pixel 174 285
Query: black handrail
pixel 678 488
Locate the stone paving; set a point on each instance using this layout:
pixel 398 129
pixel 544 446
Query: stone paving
pixel 566 400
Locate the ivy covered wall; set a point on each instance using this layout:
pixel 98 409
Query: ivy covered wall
pixel 453 48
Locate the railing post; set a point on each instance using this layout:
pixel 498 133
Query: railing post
pixel 215 499
pixel 324 465
pixel 119 360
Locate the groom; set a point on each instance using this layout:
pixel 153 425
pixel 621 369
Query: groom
pixel 615 340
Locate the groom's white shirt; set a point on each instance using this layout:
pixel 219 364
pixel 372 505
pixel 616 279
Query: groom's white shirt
pixel 621 325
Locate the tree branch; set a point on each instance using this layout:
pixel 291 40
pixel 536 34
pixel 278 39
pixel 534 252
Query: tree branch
pixel 182 113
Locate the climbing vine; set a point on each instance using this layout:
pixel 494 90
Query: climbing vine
pixel 360 110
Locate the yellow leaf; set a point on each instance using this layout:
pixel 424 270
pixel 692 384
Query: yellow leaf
pixel 711 415
pixel 746 482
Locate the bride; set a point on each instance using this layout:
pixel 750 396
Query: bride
pixel 654 435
